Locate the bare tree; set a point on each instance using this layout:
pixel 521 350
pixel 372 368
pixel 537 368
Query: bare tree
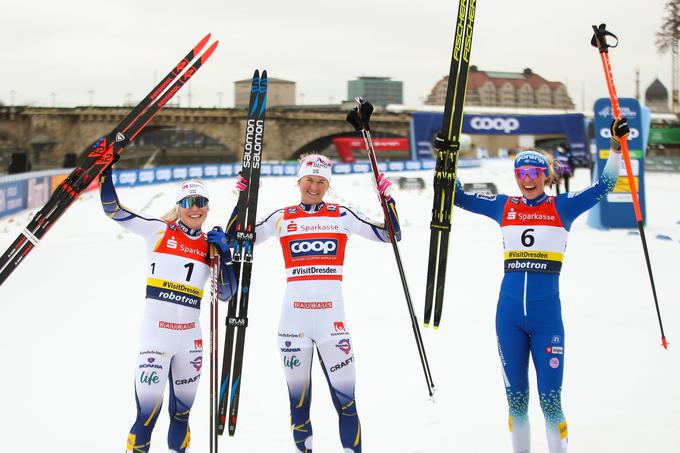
pixel 667 39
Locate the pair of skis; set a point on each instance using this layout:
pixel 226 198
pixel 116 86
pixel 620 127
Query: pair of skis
pixel 447 161
pixel 99 155
pixel 237 312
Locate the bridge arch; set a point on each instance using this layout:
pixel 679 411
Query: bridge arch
pixel 324 145
pixel 160 145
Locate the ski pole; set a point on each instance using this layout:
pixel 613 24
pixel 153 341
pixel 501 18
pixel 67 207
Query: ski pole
pixel 214 336
pixel 359 118
pixel 599 40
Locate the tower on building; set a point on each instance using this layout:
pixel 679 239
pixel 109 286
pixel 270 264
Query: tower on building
pixel 656 97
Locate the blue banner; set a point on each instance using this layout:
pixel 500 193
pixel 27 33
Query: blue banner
pixel 616 210
pixel 130 178
pixel 12 197
pixel 32 190
pixel 426 124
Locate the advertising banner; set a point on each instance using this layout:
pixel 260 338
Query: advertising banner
pixel 426 124
pixel 38 192
pixel 32 190
pixel 12 197
pixel 616 210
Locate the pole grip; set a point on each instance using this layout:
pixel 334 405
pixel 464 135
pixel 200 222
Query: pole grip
pixel 599 38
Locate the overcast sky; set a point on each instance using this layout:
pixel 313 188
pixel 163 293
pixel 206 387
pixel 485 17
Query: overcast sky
pixel 115 48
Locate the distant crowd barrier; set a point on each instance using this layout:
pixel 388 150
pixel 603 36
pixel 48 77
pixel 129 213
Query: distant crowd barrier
pixel 28 190
pixel 32 190
pixel 663 163
pixel 160 175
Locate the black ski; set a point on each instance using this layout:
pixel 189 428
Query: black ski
pixel 447 161
pixel 99 155
pixel 237 312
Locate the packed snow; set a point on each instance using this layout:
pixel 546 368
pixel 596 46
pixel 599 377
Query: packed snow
pixel 70 316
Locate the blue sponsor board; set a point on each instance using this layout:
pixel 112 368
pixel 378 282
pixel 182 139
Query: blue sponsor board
pixel 616 210
pixel 426 124
pixel 129 178
pixel 12 197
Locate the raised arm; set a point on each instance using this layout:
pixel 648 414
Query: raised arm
pixel 487 205
pixel 573 204
pixel 264 229
pixel 369 229
pixel 114 210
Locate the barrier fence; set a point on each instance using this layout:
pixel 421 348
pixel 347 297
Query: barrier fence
pixel 32 190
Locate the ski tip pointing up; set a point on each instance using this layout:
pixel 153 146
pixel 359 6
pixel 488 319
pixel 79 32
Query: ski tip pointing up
pixel 201 44
pixel 209 52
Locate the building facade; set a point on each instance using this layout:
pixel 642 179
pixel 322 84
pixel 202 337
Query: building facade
pixel 507 89
pixel 377 90
pixel 279 92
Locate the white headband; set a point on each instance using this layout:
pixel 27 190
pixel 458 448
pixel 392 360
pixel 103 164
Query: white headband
pixel 191 188
pixel 316 165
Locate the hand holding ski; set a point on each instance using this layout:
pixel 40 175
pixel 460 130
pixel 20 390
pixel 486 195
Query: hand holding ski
pixel 446 165
pixel 236 321
pixel 101 154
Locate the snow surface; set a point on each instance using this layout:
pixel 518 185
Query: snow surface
pixel 70 313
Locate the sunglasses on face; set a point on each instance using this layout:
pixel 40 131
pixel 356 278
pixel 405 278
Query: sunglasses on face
pixel 531 172
pixel 188 202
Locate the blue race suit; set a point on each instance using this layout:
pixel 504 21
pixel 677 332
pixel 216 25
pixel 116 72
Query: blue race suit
pixel 528 315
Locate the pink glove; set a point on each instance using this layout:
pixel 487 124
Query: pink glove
pixel 241 183
pixel 384 186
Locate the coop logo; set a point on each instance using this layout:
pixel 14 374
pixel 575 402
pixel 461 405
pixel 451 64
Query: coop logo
pixel 486 123
pixel 304 248
pixel 606 133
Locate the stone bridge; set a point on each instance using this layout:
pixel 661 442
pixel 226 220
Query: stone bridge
pixel 48 134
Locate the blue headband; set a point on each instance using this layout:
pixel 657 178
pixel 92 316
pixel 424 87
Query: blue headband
pixel 532 158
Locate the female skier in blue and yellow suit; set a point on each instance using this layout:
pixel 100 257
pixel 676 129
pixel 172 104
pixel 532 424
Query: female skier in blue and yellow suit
pixel 535 227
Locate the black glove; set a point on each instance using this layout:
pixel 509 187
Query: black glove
pixel 441 143
pixel 109 168
pixel 619 131
pixel 217 238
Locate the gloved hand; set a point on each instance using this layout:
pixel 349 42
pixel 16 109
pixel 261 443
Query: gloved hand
pixel 441 143
pixel 241 183
pixel 384 186
pixel 619 131
pixel 218 238
pixel 109 168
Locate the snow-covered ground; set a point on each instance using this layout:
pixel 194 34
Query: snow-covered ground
pixel 69 318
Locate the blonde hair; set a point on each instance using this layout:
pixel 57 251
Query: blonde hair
pixel 172 215
pixel 553 177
